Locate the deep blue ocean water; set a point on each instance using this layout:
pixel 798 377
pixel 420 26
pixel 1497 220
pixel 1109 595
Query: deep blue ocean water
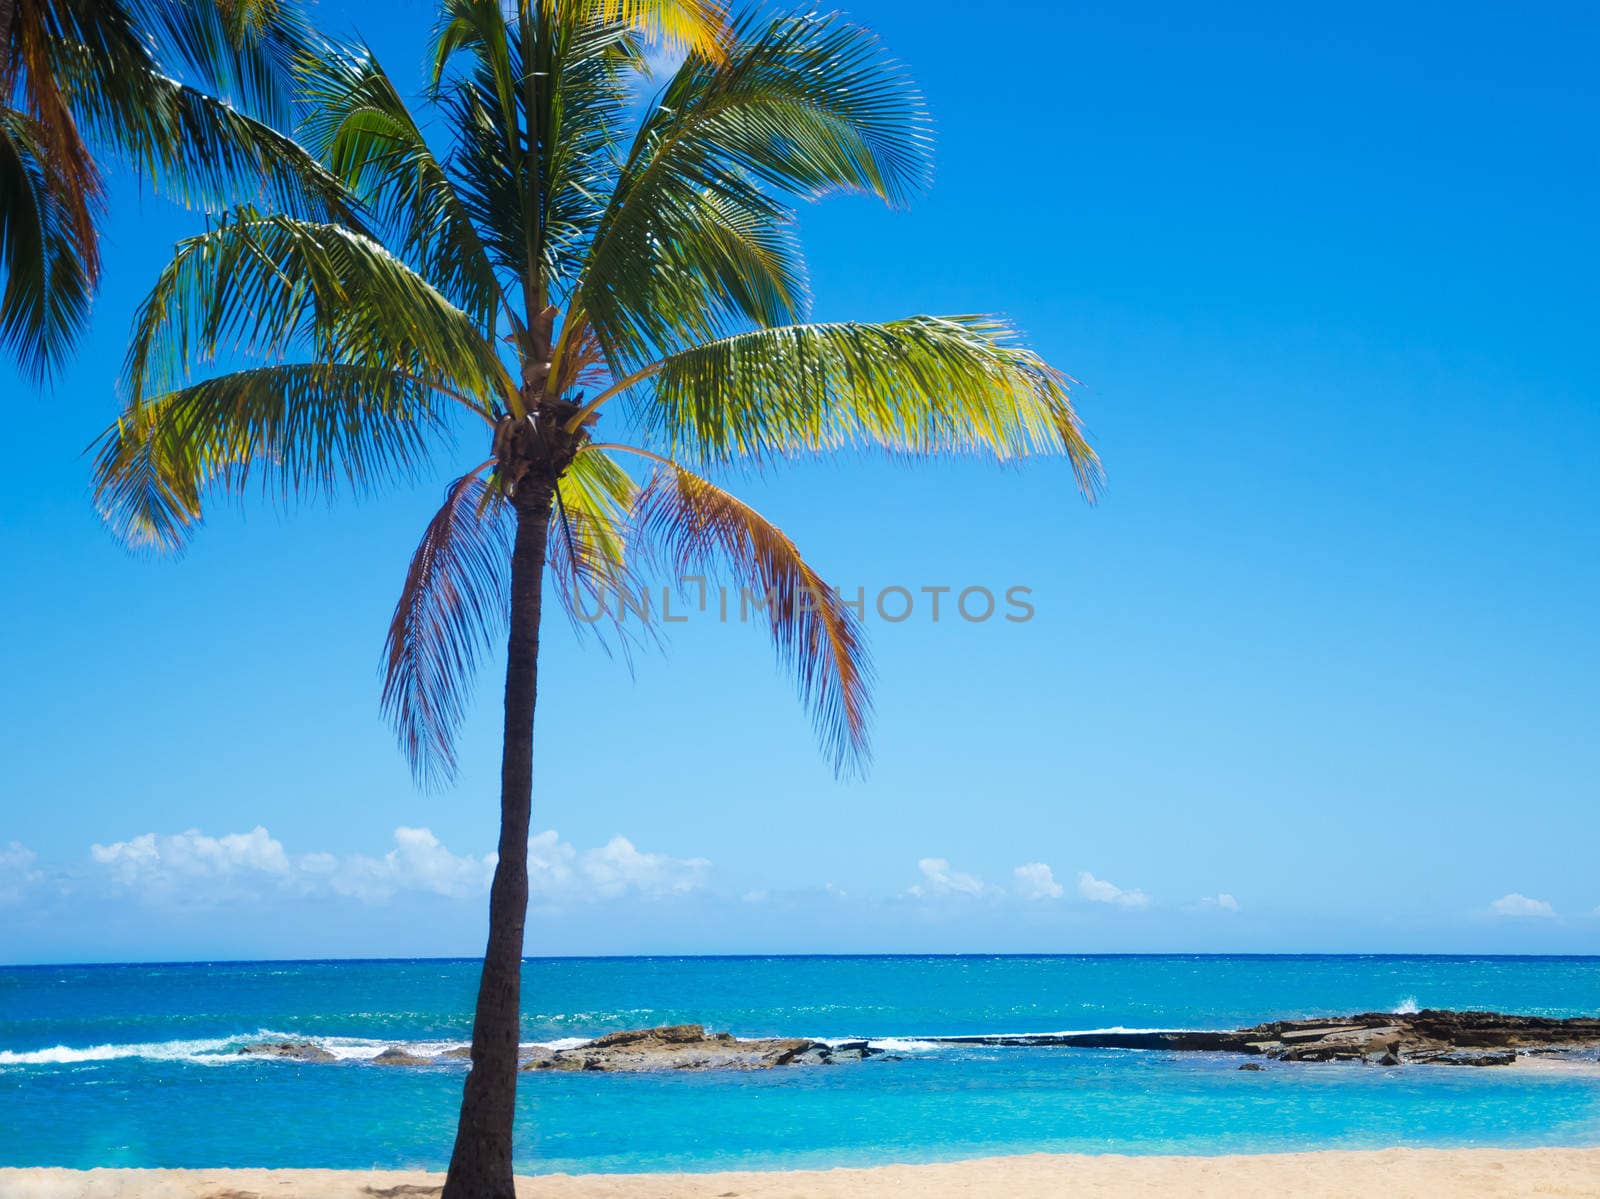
pixel 134 1065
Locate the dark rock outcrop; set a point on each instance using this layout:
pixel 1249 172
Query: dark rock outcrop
pixel 395 1056
pixel 1439 1038
pixel 297 1051
pixel 1432 1037
pixel 690 1047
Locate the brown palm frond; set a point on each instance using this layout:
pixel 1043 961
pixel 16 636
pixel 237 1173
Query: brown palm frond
pixel 78 183
pixel 582 361
pixel 454 603
pixel 699 526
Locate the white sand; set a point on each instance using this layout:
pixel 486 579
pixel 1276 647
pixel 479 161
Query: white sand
pixel 1383 1174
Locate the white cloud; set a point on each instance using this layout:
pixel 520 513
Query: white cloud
pixel 557 870
pixel 1222 901
pixel 617 868
pixel 1516 904
pixel 192 867
pixel 418 862
pixel 1098 890
pixel 175 864
pixel 1035 880
pixel 939 879
pixel 17 874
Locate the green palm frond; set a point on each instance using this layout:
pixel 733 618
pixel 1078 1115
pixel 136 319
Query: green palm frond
pixel 487 168
pixel 585 63
pixel 801 105
pixel 207 154
pixel 707 263
pixel 196 146
pixel 300 430
pixel 452 609
pixel 922 385
pixel 244 51
pixel 589 537
pixel 258 284
pixel 701 528
pixel 48 269
pixel 361 127
pixel 479 31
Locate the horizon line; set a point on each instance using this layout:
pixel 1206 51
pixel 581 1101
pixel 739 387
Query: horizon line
pixel 645 957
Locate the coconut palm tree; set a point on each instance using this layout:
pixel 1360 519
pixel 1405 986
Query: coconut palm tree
pixel 103 73
pixel 574 252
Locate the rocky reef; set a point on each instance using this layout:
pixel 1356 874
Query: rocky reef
pixel 636 1051
pixel 294 1051
pixel 690 1047
pixel 1438 1038
pixel 1429 1037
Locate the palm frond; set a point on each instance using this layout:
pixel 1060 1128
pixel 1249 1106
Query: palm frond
pixel 800 106
pixel 480 31
pixel 704 263
pixel 362 128
pixel 922 385
pixel 302 430
pixel 259 285
pixel 48 269
pixel 243 51
pixel 207 154
pixel 698 26
pixel 453 606
pixel 41 37
pixel 700 528
pixel 481 77
pixel 201 148
pixel 584 58
pixel 589 537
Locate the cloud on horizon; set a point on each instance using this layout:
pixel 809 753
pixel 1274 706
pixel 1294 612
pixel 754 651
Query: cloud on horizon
pixel 1035 880
pixel 938 878
pixel 17 875
pixel 194 868
pixel 1515 904
pixel 1098 890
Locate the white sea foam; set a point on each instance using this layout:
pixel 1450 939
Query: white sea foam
pixel 558 1044
pixel 169 1051
pixel 1407 1006
pixel 931 1044
pixel 902 1044
pixel 215 1051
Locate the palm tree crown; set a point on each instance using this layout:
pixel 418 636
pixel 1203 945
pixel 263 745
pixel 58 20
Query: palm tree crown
pixel 571 252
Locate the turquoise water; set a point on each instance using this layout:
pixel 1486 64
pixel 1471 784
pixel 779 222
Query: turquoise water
pixel 133 1065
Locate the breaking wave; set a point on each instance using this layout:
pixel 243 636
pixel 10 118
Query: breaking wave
pixel 224 1051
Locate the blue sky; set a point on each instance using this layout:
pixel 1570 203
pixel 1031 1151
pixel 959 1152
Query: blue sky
pixel 1318 673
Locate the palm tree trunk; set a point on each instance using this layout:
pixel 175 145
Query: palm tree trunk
pixel 480 1166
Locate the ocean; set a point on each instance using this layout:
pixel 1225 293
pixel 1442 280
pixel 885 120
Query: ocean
pixel 134 1065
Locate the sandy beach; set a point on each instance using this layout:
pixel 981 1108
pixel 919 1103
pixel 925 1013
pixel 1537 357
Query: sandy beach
pixel 1392 1173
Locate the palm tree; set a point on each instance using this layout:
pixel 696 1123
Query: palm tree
pixel 576 252
pixel 76 72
